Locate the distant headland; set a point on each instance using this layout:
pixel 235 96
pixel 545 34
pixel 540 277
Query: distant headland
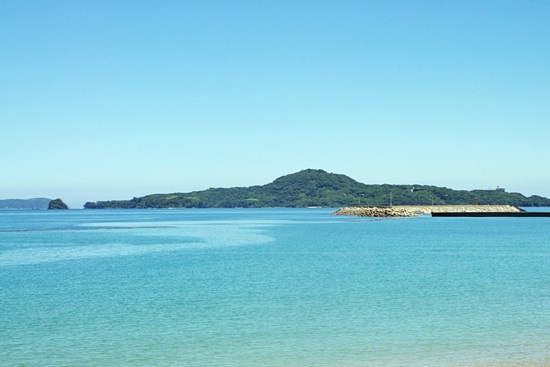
pixel 32 204
pixel 318 188
pixel 25 204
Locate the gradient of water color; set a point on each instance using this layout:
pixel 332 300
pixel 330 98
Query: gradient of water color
pixel 271 287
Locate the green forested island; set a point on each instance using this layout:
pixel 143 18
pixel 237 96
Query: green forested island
pixel 310 188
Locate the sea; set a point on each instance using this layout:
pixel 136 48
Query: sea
pixel 271 287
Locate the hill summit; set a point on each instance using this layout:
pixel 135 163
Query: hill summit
pixel 315 187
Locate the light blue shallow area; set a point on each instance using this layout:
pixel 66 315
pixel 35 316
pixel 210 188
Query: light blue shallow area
pixel 271 287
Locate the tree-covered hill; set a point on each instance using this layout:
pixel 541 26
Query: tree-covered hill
pixel 319 188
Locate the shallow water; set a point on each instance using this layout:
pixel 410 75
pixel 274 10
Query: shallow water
pixel 271 287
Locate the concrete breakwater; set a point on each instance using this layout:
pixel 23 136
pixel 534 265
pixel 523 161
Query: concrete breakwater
pixel 411 211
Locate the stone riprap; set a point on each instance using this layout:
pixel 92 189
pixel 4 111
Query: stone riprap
pixel 411 211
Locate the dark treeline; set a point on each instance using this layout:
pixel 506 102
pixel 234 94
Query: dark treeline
pixel 318 188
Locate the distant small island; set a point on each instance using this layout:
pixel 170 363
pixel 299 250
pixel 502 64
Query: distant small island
pixel 57 204
pixel 318 188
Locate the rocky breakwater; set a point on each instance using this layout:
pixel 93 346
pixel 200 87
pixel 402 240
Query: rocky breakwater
pixel 378 211
pixel 411 211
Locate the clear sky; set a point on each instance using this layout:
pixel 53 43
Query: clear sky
pixel 115 99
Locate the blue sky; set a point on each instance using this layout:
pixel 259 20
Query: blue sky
pixel 110 100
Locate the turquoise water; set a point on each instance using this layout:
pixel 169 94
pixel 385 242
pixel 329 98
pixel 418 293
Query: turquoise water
pixel 271 287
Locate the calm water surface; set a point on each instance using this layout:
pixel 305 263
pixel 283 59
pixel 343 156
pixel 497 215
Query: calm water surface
pixel 271 287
